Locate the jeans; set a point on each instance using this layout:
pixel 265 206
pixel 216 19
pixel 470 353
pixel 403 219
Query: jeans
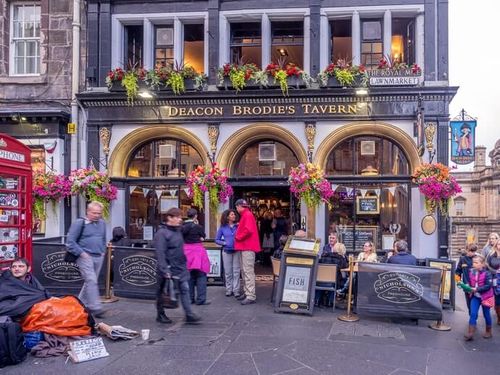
pixel 183 292
pixel 248 273
pixel 475 303
pixel 90 267
pixel 198 280
pixel 232 271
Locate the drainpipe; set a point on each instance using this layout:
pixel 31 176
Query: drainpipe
pixel 75 79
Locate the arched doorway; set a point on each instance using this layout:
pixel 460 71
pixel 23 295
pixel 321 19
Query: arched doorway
pixel 152 165
pixel 258 159
pixel 371 176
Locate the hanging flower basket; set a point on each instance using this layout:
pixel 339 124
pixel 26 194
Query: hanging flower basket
pixel 212 180
pixel 307 181
pixel 93 186
pixel 437 185
pixel 48 187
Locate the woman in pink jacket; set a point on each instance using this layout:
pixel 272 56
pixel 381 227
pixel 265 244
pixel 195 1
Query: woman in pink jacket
pixel 247 241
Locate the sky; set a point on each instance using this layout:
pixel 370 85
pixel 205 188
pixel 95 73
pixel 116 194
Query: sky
pixel 474 66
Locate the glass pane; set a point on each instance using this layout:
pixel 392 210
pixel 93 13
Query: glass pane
pixel 254 161
pixel 372 30
pixel 341 31
pixel 247 31
pixel 31 48
pixel 31 65
pixel 160 53
pixel 20 49
pixel 291 54
pixel 164 36
pixel 37 29
pixel 377 47
pixel 29 13
pixel 17 29
pixel 18 13
pixel 248 54
pixel 194 49
pixel 19 65
pixel 134 45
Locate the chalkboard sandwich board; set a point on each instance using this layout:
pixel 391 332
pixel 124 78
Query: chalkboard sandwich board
pixel 367 205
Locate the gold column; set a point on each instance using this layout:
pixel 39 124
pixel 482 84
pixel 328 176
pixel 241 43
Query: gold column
pixel 310 130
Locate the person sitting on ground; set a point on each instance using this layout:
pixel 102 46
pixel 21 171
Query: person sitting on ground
pixel 332 255
pixel 19 289
pixel 402 255
pixel 198 263
pixel 368 254
pixel 464 266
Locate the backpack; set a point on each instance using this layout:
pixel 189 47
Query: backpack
pixel 12 350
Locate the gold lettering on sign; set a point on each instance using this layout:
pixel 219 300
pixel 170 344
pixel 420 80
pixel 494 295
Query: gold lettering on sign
pixel 329 109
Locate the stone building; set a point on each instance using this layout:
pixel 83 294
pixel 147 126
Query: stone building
pixel 367 142
pixel 476 211
pixel 36 63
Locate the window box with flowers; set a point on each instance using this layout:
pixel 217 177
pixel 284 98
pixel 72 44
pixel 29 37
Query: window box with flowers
pixel 211 180
pixel 93 185
pixel 237 76
pixel 48 187
pixel 130 81
pixel 308 182
pixel 437 185
pixel 286 76
pixel 343 74
pixel 178 80
pixel 393 73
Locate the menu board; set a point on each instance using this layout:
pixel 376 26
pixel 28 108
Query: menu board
pixel 367 205
pixel 296 285
pixel 355 238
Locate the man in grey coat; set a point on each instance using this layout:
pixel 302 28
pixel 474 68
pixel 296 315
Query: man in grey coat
pixel 87 239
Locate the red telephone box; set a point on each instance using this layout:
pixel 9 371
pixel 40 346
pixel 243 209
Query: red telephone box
pixel 15 200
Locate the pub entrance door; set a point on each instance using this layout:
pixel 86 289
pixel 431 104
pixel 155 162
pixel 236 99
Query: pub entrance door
pixel 277 213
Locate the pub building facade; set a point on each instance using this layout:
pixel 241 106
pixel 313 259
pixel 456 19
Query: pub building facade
pixel 367 143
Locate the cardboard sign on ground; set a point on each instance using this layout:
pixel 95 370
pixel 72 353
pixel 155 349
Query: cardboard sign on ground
pixel 87 350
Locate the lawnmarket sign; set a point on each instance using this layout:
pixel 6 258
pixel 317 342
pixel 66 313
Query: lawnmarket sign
pixel 388 77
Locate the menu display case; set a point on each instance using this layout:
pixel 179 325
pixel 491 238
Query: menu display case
pixel 15 200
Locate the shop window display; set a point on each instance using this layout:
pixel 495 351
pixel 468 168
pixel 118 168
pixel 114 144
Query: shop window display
pixel 371 180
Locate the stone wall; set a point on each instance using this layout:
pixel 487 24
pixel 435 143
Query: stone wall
pixel 54 81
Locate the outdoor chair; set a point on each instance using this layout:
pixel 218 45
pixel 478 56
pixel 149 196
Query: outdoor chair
pixel 276 274
pixel 327 273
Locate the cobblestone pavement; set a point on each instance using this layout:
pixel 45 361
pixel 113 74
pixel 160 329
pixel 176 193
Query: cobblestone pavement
pixel 252 339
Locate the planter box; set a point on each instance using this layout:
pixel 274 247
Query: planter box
pixel 227 85
pixel 117 86
pixel 333 82
pixel 189 85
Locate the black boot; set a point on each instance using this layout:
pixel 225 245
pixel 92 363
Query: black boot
pixel 161 317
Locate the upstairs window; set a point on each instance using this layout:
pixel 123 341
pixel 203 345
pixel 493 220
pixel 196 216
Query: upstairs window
pixel 341 40
pixel 246 43
pixel 288 42
pixel 164 46
pixel 134 46
pixel 25 39
pixel 371 43
pixel 194 50
pixel 403 40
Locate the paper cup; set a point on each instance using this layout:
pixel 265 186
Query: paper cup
pixel 145 334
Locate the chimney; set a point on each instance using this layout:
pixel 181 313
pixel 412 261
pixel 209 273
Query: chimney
pixel 480 158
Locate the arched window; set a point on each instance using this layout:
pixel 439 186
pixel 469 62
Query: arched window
pixel 156 182
pixel 371 179
pixel 164 158
pixel 265 158
pixel 367 155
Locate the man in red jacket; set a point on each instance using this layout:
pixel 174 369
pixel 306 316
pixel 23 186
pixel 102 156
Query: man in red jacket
pixel 247 241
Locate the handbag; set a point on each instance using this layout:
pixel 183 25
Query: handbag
pixel 169 294
pixel 69 257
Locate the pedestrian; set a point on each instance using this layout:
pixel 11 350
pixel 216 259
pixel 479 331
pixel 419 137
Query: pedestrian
pixel 493 264
pixel 120 237
pixel 230 258
pixel 402 256
pixel 171 264
pixel 481 295
pixel 464 266
pixel 247 242
pixel 86 239
pixel 198 263
pixel 280 227
pixel 492 240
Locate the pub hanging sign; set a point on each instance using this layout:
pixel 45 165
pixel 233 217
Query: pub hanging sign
pixel 463 140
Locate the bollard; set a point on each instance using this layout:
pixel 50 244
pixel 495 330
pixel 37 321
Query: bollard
pixel 349 317
pixel 439 325
pixel 108 296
